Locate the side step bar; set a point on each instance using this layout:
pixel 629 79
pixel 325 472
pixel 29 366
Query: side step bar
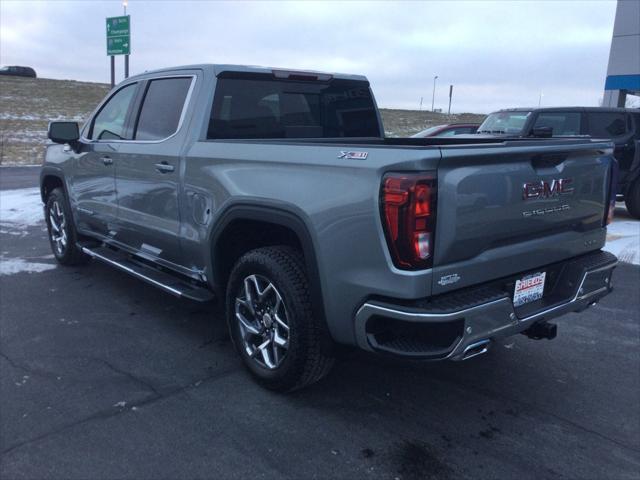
pixel 165 281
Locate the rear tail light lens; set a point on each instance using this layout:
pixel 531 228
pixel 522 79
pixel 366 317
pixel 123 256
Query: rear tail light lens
pixel 408 207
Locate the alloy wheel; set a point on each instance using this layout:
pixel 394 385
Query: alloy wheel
pixel 262 319
pixel 58 230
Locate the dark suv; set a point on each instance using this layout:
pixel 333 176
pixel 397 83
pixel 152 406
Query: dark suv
pixel 621 125
pixel 17 71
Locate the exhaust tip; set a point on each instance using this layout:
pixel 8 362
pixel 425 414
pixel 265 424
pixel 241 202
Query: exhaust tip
pixel 475 349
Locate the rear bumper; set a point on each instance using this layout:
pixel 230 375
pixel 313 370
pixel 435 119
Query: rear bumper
pixel 459 324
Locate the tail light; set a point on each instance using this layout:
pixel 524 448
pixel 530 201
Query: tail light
pixel 408 209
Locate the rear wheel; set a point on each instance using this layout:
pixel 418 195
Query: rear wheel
pixel 632 199
pixel 62 233
pixel 271 320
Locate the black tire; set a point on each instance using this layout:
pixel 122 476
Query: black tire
pixel 632 199
pixel 60 225
pixel 309 353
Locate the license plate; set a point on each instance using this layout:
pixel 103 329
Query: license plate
pixel 529 289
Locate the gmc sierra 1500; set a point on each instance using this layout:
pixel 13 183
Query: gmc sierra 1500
pixel 276 192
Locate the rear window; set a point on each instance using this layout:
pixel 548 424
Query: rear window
pixel 607 125
pixel 567 123
pixel 246 108
pixel 162 108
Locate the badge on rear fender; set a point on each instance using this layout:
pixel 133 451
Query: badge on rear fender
pixel 353 155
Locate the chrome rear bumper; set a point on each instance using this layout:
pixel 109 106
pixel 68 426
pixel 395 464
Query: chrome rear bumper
pixel 426 330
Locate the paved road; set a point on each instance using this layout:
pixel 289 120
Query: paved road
pixel 18 177
pixel 102 376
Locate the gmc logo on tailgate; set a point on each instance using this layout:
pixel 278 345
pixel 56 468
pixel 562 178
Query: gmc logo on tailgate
pixel 547 189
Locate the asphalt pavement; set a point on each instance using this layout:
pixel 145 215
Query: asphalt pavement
pixel 103 376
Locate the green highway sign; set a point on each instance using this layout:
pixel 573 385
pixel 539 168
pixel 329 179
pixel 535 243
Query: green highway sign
pixel 118 35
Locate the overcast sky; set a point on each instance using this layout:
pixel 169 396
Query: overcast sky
pixel 497 54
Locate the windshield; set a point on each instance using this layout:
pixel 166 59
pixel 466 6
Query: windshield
pixel 504 122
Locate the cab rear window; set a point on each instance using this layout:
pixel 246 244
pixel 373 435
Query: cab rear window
pixel 265 108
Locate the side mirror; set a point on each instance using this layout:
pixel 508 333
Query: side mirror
pixel 542 132
pixel 64 132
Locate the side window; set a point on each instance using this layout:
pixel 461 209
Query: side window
pixel 567 123
pixel 162 108
pixel 108 124
pixel 607 125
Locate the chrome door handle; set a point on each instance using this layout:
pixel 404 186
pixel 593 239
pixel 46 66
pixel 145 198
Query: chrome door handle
pixel 164 167
pixel 107 160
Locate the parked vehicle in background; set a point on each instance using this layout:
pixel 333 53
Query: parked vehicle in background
pixel 18 71
pixel 620 125
pixel 276 192
pixel 448 130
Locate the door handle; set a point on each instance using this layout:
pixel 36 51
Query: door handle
pixel 164 167
pixel 107 160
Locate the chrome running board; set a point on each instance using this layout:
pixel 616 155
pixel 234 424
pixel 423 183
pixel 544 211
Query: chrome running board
pixel 165 281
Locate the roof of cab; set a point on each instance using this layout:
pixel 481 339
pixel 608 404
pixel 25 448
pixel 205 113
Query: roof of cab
pixel 217 69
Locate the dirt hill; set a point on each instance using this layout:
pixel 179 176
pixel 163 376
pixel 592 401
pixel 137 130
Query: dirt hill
pixel 27 105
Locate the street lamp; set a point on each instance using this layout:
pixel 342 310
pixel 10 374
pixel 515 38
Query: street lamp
pixel 433 98
pixel 124 4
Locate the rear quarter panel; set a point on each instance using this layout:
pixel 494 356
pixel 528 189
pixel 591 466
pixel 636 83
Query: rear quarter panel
pixel 337 200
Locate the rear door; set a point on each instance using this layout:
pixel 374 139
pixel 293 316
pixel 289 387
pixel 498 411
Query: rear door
pixel 508 208
pixel 93 182
pixel 617 126
pixel 148 171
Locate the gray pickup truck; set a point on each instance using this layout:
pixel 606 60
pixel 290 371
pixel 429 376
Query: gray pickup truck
pixel 276 192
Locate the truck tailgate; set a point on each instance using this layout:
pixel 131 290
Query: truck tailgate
pixel 517 206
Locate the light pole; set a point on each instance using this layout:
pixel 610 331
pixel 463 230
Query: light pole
pixel 126 57
pixel 433 97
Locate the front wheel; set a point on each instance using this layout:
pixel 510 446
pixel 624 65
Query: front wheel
pixel 62 234
pixel 632 199
pixel 271 320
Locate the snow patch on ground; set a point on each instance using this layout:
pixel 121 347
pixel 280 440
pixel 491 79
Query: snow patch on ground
pixel 20 209
pixel 11 266
pixel 623 240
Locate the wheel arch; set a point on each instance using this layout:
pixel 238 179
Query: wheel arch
pixel 51 178
pixel 277 225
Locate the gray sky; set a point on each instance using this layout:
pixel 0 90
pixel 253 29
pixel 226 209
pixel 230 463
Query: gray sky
pixel 497 54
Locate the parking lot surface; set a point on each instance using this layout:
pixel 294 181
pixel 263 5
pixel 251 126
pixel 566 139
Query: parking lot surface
pixel 103 376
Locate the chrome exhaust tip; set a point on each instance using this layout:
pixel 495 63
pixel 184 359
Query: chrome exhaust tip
pixel 475 349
